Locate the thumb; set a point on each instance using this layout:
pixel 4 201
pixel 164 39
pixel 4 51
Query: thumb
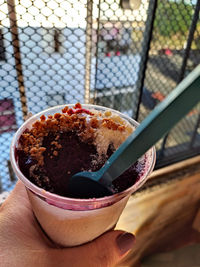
pixel 107 250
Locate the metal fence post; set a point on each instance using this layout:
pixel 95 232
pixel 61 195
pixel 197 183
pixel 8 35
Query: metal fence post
pixel 145 52
pixel 88 47
pixel 17 55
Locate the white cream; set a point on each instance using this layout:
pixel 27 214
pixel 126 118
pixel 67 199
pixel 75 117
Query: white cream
pixel 104 136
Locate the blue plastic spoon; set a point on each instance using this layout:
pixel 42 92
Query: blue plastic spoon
pixel 175 106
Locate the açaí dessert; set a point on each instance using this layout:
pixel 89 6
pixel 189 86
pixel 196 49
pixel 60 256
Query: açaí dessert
pixel 78 139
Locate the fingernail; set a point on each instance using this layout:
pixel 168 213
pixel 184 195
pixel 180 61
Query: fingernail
pixel 125 242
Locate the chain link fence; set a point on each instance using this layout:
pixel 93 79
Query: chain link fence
pixel 127 55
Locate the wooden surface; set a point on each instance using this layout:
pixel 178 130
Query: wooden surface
pixel 166 214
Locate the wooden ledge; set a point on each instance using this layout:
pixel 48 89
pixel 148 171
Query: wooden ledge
pixel 177 167
pixel 178 170
pixel 165 213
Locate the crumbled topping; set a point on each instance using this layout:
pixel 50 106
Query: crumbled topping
pixel 100 128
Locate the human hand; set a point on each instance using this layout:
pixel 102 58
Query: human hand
pixel 23 243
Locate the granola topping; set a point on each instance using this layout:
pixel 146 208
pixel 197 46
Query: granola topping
pixel 91 126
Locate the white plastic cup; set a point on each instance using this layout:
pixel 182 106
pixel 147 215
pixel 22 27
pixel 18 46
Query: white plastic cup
pixel 68 221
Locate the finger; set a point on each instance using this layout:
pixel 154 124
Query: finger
pixel 17 208
pixel 19 191
pixel 18 197
pixel 17 217
pixel 105 251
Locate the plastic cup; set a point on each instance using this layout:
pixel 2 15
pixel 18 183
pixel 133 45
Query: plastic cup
pixel 68 221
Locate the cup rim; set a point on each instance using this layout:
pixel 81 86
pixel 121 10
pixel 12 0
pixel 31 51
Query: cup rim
pixel 76 201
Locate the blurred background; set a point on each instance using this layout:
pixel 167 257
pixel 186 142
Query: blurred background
pixel 127 55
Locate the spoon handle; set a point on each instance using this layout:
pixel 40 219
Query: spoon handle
pixel 174 107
